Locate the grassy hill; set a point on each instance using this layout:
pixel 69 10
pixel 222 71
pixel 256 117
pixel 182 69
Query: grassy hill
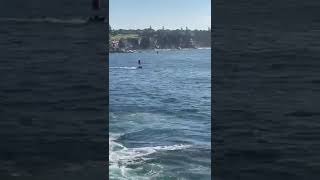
pixel 124 36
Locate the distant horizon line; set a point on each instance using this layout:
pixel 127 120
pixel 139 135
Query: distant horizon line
pixel 185 28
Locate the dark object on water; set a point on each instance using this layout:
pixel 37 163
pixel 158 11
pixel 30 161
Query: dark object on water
pixel 139 62
pixel 96 19
pixel 95 4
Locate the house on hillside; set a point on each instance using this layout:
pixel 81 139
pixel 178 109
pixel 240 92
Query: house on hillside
pixel 191 43
pixel 114 44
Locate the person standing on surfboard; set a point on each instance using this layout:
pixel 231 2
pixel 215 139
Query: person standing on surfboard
pixel 139 63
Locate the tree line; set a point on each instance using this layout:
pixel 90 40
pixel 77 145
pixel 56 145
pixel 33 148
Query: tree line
pixel 162 38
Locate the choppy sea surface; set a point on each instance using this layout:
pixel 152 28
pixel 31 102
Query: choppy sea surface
pixel 53 91
pixel 159 116
pixel 266 84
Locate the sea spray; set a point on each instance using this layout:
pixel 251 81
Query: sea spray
pixel 126 162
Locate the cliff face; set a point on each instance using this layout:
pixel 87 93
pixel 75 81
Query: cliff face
pixel 161 39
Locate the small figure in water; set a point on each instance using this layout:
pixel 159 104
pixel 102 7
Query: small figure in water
pixel 96 7
pixel 139 62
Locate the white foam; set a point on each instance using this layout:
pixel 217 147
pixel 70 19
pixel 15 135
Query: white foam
pixel 120 157
pixel 204 48
pixel 124 155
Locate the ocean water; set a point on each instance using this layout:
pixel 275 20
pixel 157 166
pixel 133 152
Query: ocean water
pixel 160 115
pixel 53 92
pixel 266 90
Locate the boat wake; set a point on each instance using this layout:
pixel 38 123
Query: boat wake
pixel 126 163
pixel 204 48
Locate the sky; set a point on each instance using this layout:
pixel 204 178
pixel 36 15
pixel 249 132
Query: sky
pixel 172 14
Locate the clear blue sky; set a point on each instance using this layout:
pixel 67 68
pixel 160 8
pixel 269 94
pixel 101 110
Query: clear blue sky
pixel 172 14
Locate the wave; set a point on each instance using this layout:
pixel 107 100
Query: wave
pixel 204 48
pixel 123 67
pixel 122 159
pixel 45 20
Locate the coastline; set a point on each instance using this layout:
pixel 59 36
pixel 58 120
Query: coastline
pixel 164 49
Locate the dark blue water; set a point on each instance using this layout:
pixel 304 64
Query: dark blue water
pixel 160 115
pixel 266 90
pixel 53 92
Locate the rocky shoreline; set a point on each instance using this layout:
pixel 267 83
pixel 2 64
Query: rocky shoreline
pixel 156 50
